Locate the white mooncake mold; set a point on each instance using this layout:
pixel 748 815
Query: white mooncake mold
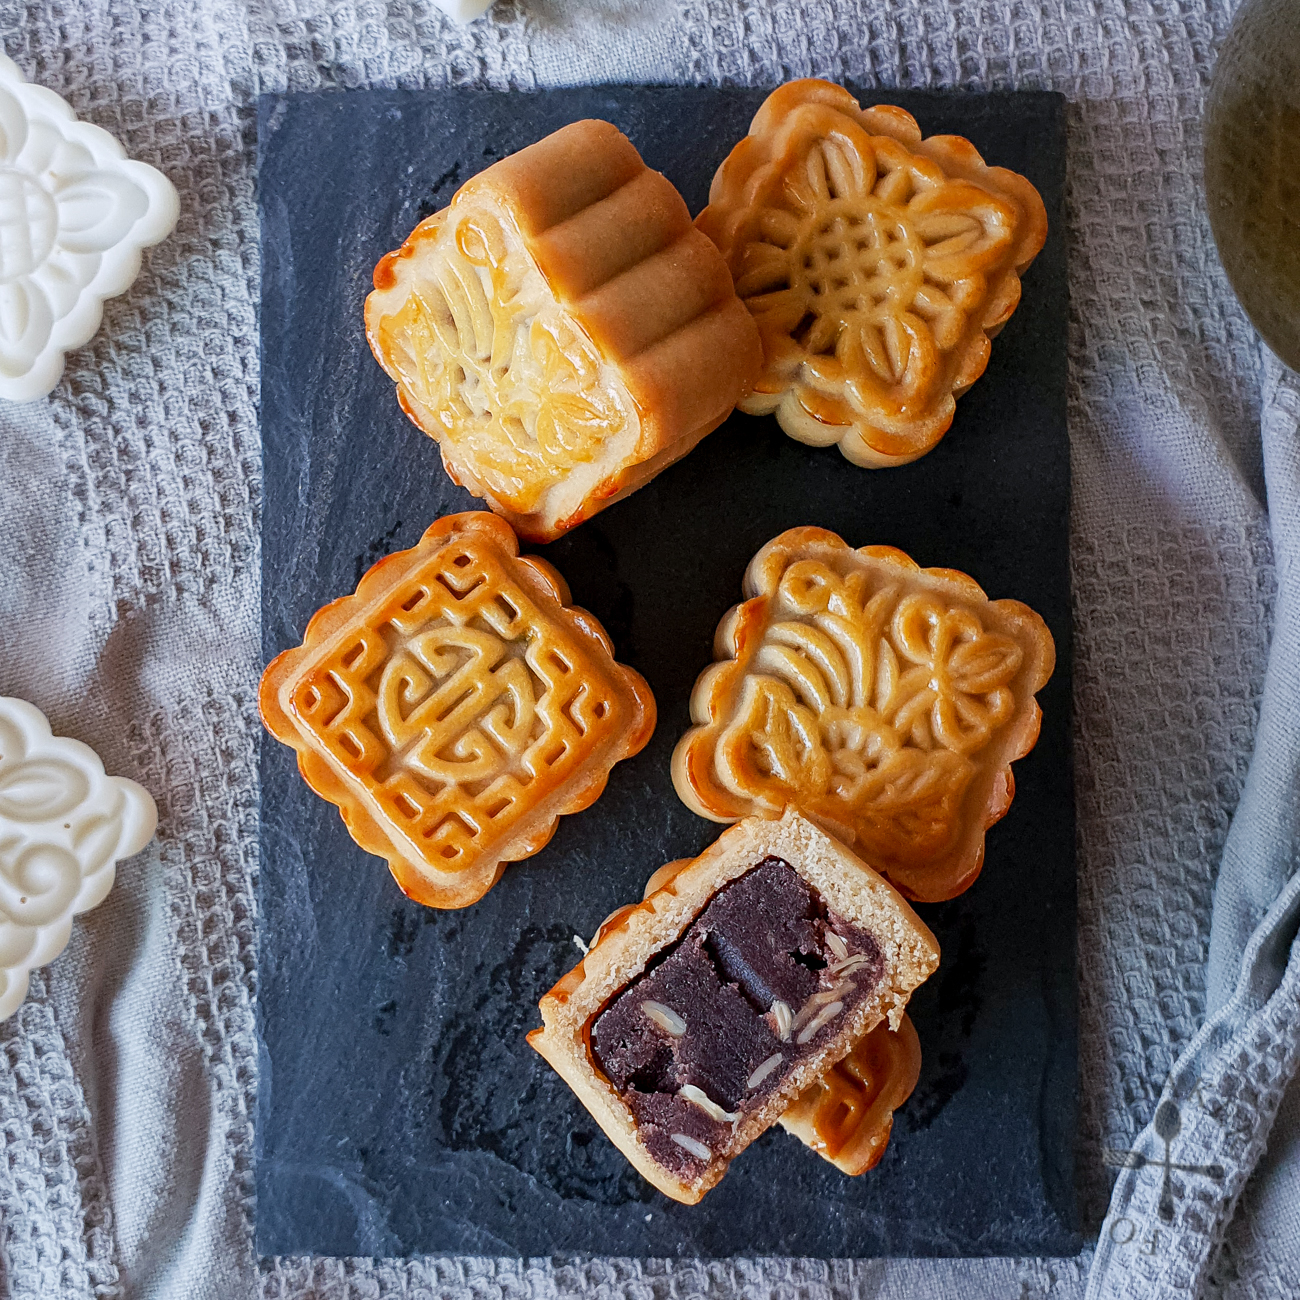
pixel 64 826
pixel 463 11
pixel 75 213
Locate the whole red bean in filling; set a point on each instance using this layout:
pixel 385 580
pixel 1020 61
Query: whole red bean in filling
pixel 713 1025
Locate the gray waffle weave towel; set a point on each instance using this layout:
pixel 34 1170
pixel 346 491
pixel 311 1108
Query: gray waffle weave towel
pixel 129 588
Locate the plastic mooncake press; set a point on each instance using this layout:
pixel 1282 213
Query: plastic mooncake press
pixel 75 212
pixel 464 11
pixel 64 826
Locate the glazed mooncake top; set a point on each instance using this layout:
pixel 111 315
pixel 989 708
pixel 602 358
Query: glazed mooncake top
pixel 884 700
pixel 455 706
pixel 877 265
pixel 561 328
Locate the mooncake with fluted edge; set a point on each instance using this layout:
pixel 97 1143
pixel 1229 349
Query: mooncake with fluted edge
pixel 847 1114
pixel 700 1014
pixel 877 264
pixel 561 329
pixel 454 707
pixel 885 701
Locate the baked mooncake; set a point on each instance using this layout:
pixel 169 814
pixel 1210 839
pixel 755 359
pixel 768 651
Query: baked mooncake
pixel 847 1114
pixel 454 707
pixel 885 701
pixel 877 264
pixel 700 1014
pixel 561 329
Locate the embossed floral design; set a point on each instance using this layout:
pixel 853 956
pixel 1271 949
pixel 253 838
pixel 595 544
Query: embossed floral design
pixel 875 264
pixel 884 701
pixel 484 354
pixel 63 827
pixel 74 214
pixel 868 704
pixel 959 692
pixel 863 273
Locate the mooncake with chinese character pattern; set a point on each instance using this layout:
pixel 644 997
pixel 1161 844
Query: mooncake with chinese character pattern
pixel 561 329
pixel 454 707
pixel 885 701
pixel 877 264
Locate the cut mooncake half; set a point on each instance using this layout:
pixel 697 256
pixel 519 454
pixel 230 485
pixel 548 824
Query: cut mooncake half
pixel 561 329
pixel 454 707
pixel 883 700
pixel 702 1013
pixel 877 264
pixel 847 1114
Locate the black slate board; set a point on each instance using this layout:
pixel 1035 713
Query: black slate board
pixel 399 1109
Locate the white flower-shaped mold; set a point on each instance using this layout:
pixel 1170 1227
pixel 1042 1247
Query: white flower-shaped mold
pixel 64 825
pixel 463 11
pixel 75 213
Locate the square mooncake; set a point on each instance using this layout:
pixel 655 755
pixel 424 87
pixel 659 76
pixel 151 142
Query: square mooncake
pixel 454 707
pixel 877 264
pixel 885 701
pixel 699 1015
pixel 561 329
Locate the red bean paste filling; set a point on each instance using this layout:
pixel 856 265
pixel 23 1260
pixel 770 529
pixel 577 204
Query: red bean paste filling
pixel 761 939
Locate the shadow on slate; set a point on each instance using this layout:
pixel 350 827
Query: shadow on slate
pixel 399 1108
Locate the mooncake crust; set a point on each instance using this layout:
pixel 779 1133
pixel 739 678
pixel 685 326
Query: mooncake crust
pixel 634 343
pixel 871 1082
pixel 536 739
pixel 878 266
pixel 885 701
pixel 631 937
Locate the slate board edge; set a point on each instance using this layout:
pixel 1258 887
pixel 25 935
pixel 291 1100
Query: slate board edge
pixel 266 107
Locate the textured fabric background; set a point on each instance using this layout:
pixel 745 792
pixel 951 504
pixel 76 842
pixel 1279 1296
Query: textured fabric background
pixel 130 598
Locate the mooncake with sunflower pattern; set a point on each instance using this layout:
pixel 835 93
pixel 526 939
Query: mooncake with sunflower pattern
pixel 454 707
pixel 884 701
pixel 561 329
pixel 877 264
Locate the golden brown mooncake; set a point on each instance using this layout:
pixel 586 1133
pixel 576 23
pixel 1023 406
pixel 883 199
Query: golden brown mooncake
pixel 877 264
pixel 885 701
pixel 659 1031
pixel 847 1114
pixel 454 707
pixel 561 329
